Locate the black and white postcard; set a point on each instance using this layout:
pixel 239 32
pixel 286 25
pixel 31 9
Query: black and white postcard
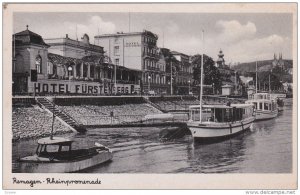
pixel 150 96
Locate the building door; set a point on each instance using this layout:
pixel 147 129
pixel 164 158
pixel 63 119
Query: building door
pixel 20 83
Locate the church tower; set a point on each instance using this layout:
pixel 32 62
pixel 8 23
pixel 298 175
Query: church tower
pixel 221 61
pixel 275 61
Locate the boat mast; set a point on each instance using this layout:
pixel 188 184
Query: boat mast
pixel 256 78
pixel 201 83
pixel 269 83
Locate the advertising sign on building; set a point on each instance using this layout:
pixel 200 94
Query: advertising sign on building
pixel 77 87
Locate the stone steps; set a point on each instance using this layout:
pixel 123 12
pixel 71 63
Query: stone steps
pixel 68 120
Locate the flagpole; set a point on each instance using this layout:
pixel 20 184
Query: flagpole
pixel 256 78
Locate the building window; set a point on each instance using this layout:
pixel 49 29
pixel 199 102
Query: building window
pixel 117 62
pixel 116 50
pixel 38 64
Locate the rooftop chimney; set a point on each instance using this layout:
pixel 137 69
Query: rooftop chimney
pixel 67 36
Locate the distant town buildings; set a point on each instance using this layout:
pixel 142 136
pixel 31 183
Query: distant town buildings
pixel 121 63
pixel 184 77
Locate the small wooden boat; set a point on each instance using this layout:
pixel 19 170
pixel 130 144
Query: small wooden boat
pixel 55 155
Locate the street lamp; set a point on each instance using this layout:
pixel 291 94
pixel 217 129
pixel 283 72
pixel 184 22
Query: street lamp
pixel 189 87
pixel 69 74
pixel 70 71
pixel 149 78
pixel 213 86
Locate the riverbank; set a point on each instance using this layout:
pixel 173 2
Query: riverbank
pixel 34 122
pixel 29 120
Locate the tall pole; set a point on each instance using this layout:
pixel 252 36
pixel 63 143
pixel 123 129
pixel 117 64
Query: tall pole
pixel 129 22
pixel 171 78
pixel 256 78
pixel 149 77
pixel 98 36
pixel 163 39
pixel 76 33
pixel 201 83
pixel 235 83
pixel 14 54
pixel 115 79
pixel 269 83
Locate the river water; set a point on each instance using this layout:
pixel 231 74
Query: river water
pixel 266 148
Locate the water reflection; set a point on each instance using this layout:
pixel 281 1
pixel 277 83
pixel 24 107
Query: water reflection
pixel 217 157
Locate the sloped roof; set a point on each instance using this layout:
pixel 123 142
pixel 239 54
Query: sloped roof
pixel 58 59
pixel 93 58
pixel 29 37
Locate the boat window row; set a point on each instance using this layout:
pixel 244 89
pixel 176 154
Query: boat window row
pixel 265 106
pixel 221 114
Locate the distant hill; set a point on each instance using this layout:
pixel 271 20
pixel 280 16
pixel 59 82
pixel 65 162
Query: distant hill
pixel 264 65
pixel 248 69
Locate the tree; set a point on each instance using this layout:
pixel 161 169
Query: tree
pixel 274 80
pixel 212 75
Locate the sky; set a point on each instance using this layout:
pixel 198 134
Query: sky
pixel 242 37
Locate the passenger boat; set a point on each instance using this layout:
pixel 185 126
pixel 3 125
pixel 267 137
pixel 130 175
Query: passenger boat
pixel 219 122
pixel 55 155
pixel 265 106
pixel 210 123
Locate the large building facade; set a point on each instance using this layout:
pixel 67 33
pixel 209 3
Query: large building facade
pixel 122 63
pixel 137 51
pixel 66 66
pixel 184 78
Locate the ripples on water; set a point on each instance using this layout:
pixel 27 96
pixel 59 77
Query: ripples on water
pixel 266 148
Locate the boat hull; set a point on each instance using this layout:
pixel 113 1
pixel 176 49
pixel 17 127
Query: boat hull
pixel 207 132
pixel 265 115
pixel 65 166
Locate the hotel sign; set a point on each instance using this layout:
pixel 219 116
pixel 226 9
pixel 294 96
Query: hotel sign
pixel 77 87
pixel 132 44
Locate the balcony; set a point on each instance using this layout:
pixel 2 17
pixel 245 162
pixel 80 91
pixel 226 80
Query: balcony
pixel 151 55
pixel 153 68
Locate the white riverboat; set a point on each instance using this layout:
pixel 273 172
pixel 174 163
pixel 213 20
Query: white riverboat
pixel 55 155
pixel 219 122
pixel 209 123
pixel 265 106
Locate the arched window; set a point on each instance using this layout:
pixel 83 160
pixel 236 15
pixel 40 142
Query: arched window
pixel 38 64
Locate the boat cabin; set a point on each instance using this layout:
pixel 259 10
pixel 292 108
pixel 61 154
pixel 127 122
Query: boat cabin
pixel 264 105
pixel 56 146
pixel 260 96
pixel 221 113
